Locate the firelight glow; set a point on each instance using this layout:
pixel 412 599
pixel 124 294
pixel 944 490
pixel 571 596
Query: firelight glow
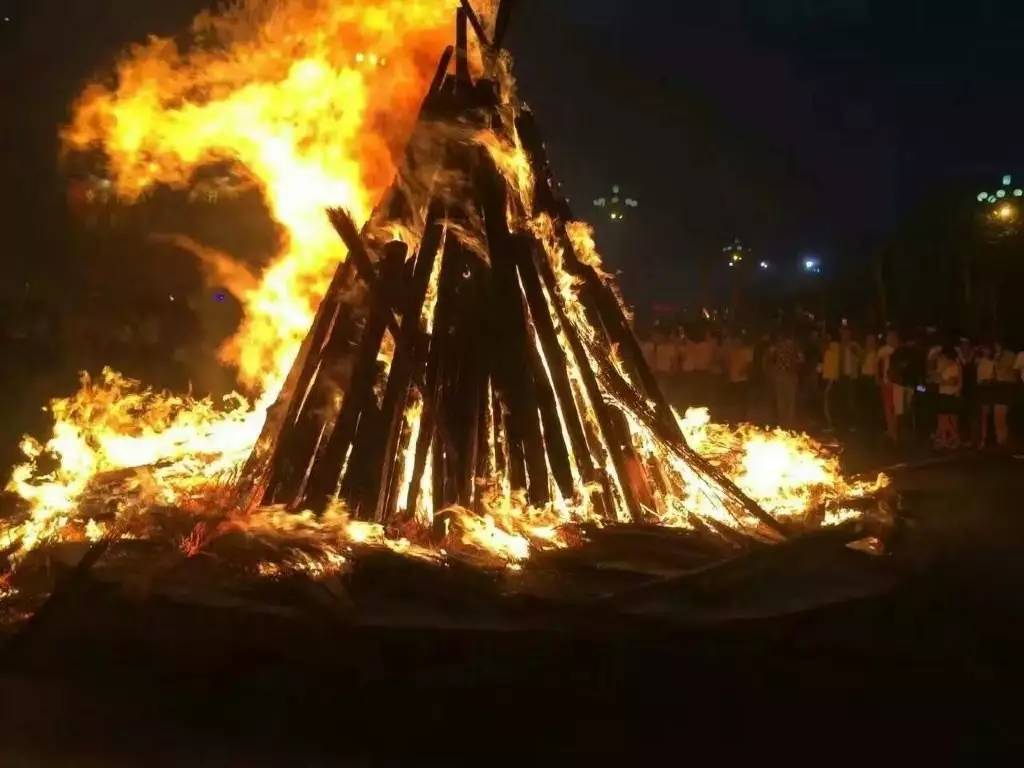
pixel 313 100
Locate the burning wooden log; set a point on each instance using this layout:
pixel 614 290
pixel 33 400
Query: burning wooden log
pixel 499 381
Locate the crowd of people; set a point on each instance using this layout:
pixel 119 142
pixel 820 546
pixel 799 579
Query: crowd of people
pixel 906 386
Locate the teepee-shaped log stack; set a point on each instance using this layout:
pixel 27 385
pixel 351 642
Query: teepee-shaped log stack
pixel 465 350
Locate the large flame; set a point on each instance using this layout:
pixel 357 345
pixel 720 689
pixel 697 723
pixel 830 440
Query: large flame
pixel 312 100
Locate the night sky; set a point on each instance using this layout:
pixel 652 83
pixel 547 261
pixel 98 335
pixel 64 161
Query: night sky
pixel 798 125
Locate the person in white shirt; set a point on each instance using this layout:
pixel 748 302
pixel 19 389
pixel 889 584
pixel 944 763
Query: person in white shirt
pixel 985 378
pixel 850 354
pixel 892 343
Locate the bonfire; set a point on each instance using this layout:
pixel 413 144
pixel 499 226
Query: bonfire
pixel 434 363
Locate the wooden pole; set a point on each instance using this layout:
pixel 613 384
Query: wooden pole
pixel 474 22
pixel 462 48
pixel 408 354
pixel 357 411
pixel 501 22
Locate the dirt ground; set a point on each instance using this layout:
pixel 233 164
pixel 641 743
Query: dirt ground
pixel 930 665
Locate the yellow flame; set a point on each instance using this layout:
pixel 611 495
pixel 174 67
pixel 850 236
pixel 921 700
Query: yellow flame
pixel 312 100
pixel 282 93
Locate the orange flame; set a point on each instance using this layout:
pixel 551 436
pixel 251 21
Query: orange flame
pixel 312 100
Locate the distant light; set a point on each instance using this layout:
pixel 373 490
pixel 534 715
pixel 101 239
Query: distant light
pixel 1018 193
pixel 219 297
pixel 1007 180
pixel 812 265
pixel 982 197
pixel 992 198
pixel 764 265
pixel 171 298
pixel 1001 194
pixel 615 188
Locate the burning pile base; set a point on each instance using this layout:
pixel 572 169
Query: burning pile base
pixel 469 391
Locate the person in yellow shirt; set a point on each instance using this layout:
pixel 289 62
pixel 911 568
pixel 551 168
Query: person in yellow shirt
pixel 830 369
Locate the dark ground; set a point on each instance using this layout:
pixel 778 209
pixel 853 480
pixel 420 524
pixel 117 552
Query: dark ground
pixel 932 667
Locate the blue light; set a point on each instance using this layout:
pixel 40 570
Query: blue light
pixel 220 297
pixel 812 265
pixel 1007 180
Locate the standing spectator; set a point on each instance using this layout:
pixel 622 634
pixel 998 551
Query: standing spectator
pixel 965 354
pixel 949 372
pixel 907 372
pixel 849 374
pixel 985 382
pixel 867 386
pixel 892 343
pixel 786 362
pixel 831 357
pixel 666 365
pixel 762 395
pixel 700 353
pixel 1007 378
pixel 715 378
pixel 738 355
pixel 928 401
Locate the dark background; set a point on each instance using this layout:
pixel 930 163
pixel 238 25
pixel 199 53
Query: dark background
pixel 798 126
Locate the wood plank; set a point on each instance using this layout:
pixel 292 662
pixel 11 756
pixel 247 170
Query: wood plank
pixel 474 22
pixel 501 21
pixel 357 406
pixel 409 355
pixel 554 439
pixel 462 77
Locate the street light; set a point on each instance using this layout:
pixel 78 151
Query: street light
pixel 812 265
pixel 1006 212
pixel 1000 211
pixel 735 253
pixel 617 204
